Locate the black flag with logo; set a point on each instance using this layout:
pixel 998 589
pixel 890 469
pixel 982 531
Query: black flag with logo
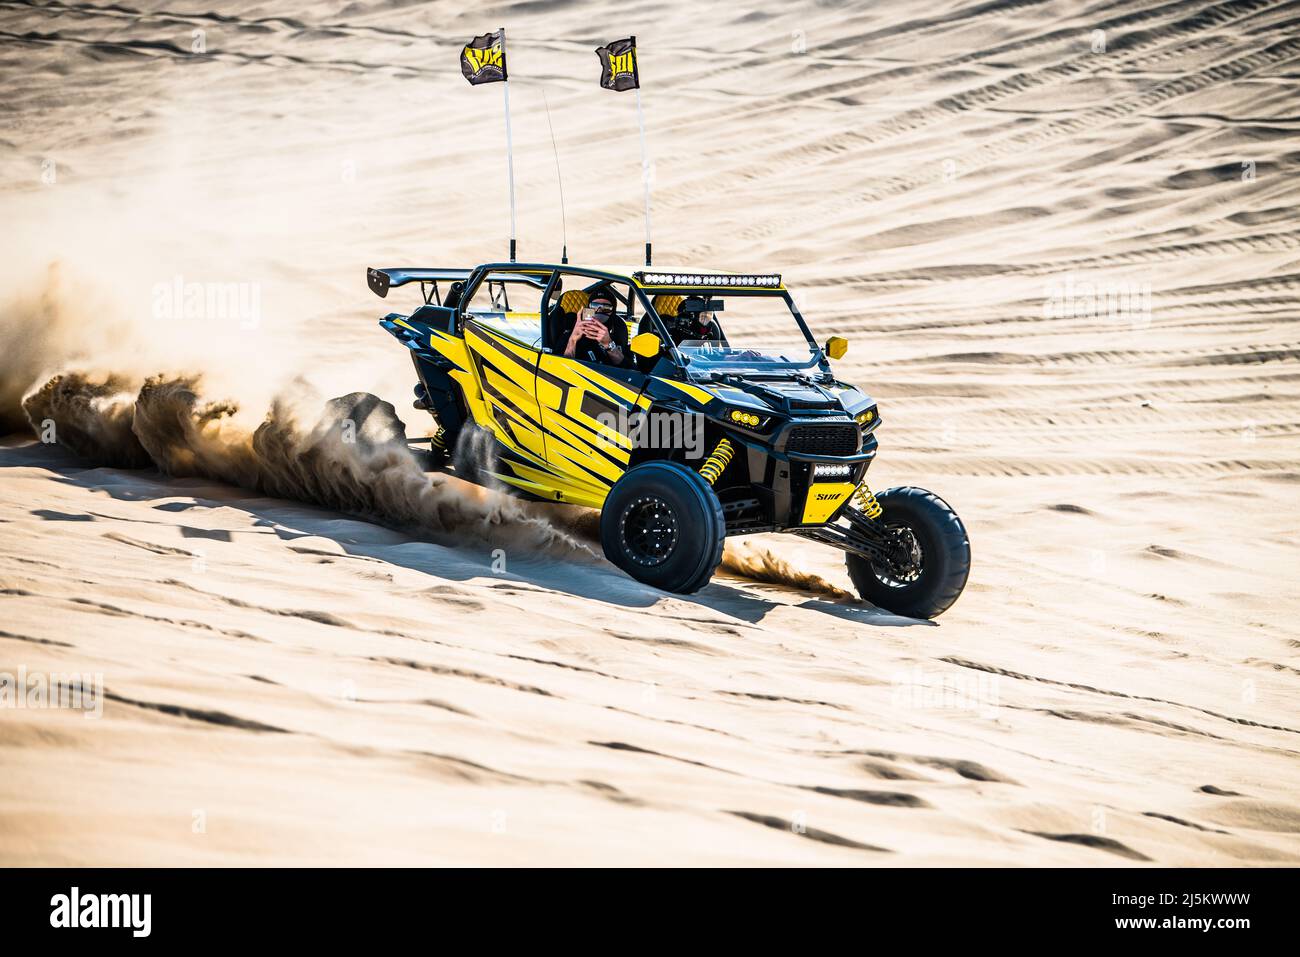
pixel 618 66
pixel 483 59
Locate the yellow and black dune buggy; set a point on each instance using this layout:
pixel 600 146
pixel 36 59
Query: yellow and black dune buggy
pixel 680 437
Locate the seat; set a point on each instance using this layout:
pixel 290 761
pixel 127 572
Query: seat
pixel 667 305
pixel 574 301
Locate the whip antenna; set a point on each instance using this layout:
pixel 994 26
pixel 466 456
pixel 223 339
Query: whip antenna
pixel 645 169
pixel 564 229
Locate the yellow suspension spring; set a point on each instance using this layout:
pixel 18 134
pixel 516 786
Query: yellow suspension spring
pixel 439 441
pixel 867 501
pixel 715 464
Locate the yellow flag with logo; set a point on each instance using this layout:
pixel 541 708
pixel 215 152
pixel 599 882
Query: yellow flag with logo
pixel 483 59
pixel 618 66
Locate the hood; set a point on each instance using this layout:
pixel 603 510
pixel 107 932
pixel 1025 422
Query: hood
pixel 791 396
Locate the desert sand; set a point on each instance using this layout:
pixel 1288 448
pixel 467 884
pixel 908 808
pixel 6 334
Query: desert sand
pixel 1061 238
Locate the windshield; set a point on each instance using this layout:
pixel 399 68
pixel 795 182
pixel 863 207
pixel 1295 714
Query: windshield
pixel 725 331
pixel 710 358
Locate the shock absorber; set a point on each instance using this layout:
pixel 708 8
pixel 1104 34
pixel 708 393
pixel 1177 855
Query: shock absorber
pixel 715 464
pixel 439 441
pixel 866 502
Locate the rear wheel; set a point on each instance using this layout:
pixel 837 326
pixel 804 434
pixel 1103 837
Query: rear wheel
pixel 472 455
pixel 928 560
pixel 662 524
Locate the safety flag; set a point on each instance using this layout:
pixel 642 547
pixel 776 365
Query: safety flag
pixel 483 59
pixel 618 67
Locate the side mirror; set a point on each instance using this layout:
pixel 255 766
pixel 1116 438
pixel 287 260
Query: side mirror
pixel 646 345
pixel 836 346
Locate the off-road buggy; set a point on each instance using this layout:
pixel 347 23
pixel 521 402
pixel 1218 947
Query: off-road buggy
pixel 690 439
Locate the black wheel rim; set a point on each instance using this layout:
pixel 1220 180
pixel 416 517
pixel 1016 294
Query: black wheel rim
pixel 649 531
pixel 906 559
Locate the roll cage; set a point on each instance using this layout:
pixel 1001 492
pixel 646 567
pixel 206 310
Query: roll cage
pixel 528 272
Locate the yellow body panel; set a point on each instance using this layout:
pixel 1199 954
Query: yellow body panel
pixel 547 484
pixel 568 454
pixel 588 454
pixel 703 396
pixel 506 384
pixel 823 499
pixel 455 349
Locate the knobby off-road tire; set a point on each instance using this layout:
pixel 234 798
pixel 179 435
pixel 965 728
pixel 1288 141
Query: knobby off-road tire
pixel 662 524
pixel 917 590
pixel 471 456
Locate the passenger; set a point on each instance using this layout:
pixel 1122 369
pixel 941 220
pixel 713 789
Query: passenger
pixel 687 319
pixel 700 323
pixel 596 334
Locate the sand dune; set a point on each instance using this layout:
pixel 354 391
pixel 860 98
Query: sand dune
pixel 1060 236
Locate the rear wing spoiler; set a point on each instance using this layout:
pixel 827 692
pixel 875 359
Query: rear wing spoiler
pixel 381 280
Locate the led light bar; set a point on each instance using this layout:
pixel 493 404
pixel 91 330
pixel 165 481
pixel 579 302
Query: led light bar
pixel 751 280
pixel 821 470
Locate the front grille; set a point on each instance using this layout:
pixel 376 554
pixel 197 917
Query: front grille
pixel 839 439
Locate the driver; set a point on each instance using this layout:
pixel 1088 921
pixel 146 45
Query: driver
pixel 596 334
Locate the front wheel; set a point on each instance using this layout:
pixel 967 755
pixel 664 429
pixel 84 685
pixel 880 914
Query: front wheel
pixel 928 556
pixel 662 524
